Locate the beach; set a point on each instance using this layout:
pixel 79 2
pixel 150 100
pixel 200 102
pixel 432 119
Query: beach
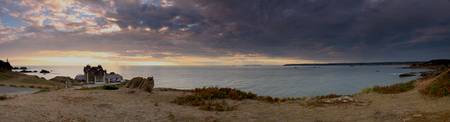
pixel 121 105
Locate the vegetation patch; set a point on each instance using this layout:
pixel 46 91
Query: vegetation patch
pixel 392 89
pixel 214 98
pixel 440 87
pixel 206 98
pixel 6 75
pixel 14 79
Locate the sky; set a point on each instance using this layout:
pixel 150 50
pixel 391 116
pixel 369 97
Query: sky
pixel 222 32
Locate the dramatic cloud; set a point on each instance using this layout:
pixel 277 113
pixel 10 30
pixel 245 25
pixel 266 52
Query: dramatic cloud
pixel 240 30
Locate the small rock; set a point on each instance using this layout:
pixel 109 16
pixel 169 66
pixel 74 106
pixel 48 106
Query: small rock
pixel 44 71
pixel 417 115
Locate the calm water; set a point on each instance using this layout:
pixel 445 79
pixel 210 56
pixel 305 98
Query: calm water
pixel 276 81
pixel 15 91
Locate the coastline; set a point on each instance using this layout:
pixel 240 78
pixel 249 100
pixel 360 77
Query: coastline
pixel 128 105
pixel 283 81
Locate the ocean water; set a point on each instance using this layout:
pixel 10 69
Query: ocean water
pixel 277 81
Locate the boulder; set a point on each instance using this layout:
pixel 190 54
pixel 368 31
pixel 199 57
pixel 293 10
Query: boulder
pixel 5 66
pixel 146 84
pixel 407 74
pixel 44 71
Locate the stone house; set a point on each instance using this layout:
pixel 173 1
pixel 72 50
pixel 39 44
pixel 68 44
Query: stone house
pixel 94 75
pixel 98 75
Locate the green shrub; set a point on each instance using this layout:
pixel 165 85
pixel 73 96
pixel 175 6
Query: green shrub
pixel 392 89
pixel 205 98
pixel 440 88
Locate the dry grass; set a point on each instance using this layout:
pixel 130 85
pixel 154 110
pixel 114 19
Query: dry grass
pixel 14 79
pixel 392 89
pixel 206 98
pixel 209 98
pixel 439 87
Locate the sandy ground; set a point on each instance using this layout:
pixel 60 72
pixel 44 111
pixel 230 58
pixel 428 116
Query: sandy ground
pixel 121 105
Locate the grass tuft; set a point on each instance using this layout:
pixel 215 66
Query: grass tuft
pixel 440 87
pixel 207 98
pixel 392 89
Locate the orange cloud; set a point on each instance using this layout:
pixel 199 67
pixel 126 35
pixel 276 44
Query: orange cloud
pixel 111 58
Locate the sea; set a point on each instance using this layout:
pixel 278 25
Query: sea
pixel 276 81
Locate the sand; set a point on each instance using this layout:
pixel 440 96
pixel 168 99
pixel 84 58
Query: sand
pixel 121 105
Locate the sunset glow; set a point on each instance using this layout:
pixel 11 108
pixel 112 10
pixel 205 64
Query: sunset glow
pixel 191 32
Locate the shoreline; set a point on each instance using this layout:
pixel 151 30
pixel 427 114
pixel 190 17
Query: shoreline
pixel 168 104
pixel 370 77
pixel 418 77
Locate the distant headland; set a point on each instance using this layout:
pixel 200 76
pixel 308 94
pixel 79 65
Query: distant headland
pixel 358 64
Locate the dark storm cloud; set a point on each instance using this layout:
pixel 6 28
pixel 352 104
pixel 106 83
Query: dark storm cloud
pixel 331 30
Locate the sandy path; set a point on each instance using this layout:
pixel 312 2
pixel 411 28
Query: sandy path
pixel 120 105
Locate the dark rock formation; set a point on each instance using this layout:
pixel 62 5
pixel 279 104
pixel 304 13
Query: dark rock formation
pixel 25 71
pixel 433 63
pixel 407 74
pixel 5 66
pixel 44 71
pixel 146 84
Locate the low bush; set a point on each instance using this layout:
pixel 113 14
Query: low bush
pixel 392 89
pixel 206 98
pixel 440 87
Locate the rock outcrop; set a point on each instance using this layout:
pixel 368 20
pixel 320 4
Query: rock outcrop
pixel 5 66
pixel 146 84
pixel 44 71
pixel 410 74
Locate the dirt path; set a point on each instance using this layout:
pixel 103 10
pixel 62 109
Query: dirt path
pixel 121 105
